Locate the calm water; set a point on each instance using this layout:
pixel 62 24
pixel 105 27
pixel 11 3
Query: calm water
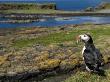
pixel 58 21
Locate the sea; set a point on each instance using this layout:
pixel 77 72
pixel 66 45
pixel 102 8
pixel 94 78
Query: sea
pixel 67 5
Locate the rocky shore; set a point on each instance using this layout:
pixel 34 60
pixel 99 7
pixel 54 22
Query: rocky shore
pixel 26 18
pixel 19 21
pixel 42 16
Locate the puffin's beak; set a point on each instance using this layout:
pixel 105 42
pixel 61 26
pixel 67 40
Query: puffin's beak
pixel 78 39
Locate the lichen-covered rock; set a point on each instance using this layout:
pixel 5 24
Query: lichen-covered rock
pixel 3 59
pixel 60 56
pixel 69 64
pixel 49 64
pixel 43 56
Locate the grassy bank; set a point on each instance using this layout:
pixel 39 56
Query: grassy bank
pixel 27 8
pixel 86 77
pixel 63 36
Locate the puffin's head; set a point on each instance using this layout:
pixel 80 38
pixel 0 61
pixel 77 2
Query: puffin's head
pixel 86 38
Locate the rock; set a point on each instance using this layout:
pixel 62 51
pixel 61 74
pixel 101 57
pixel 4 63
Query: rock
pixel 11 73
pixel 52 46
pixel 89 9
pixel 102 6
pixel 62 28
pixel 2 49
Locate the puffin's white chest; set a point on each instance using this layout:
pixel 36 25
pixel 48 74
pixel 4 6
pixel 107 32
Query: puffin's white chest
pixel 83 49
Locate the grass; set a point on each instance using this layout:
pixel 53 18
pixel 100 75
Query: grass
pixel 107 5
pixel 87 77
pixel 62 37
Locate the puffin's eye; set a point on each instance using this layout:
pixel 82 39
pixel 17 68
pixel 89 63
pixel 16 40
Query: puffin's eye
pixel 84 35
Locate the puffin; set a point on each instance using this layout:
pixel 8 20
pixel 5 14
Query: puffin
pixel 92 56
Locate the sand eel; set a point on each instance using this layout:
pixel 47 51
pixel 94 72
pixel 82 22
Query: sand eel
pixel 92 57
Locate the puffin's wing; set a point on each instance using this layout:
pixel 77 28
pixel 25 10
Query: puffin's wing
pixel 89 57
pixel 93 59
pixel 98 57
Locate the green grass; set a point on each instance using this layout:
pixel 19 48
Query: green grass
pixel 62 37
pixel 87 77
pixel 107 6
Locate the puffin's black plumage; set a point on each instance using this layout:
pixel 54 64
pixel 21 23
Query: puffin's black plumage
pixel 92 57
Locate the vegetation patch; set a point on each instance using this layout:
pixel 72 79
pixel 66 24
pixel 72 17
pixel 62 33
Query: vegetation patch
pixel 21 6
pixel 62 36
pixel 87 77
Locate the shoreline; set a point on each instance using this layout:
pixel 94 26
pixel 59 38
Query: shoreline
pixel 60 14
